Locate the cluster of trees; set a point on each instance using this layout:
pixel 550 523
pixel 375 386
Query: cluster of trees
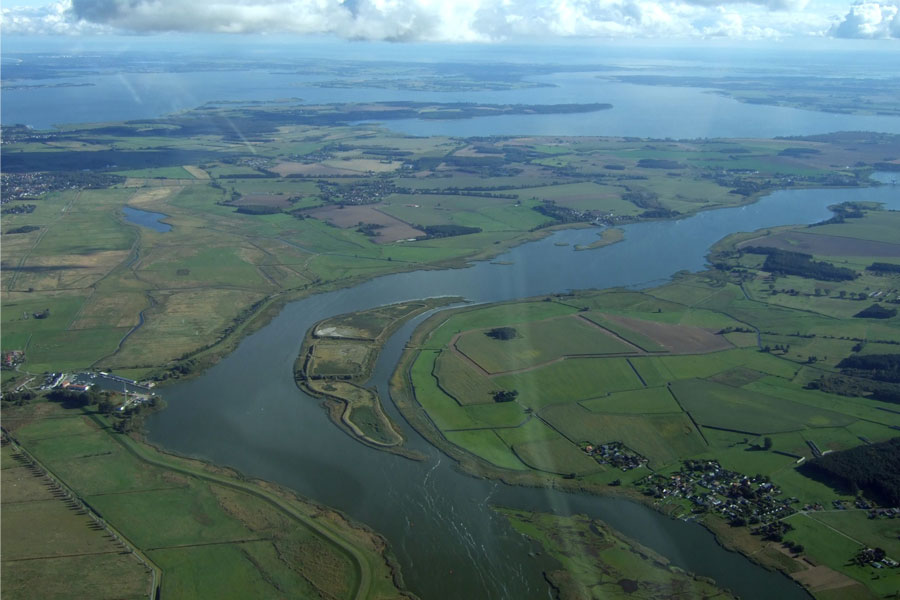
pixel 876 311
pixel 72 399
pixel 741 187
pixel 845 385
pixel 19 209
pixel 19 398
pixel 873 469
pixel 258 209
pixel 561 214
pixel 502 333
pixel 22 229
pixel 442 231
pixel 799 152
pixel 659 213
pixel 659 163
pixel 505 395
pixel 785 262
pixel 369 229
pixel 773 532
pixel 880 267
pixel 642 198
pixel 842 212
pixel 881 367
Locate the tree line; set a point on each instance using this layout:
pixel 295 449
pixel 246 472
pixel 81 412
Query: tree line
pixel 784 262
pixel 872 469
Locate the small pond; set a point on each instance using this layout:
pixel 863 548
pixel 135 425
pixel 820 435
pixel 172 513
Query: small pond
pixel 145 218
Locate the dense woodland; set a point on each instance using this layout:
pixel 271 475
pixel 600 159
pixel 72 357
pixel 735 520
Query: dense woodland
pixel 881 367
pixel 876 311
pixel 873 469
pixel 784 262
pixel 880 267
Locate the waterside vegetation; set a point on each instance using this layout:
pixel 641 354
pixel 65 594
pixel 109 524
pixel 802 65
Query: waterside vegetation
pixel 714 397
pixel 337 358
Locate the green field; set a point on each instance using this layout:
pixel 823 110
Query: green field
pixel 53 550
pixel 209 535
pixel 538 342
pixel 463 381
pixel 641 341
pixel 725 407
pixel 166 304
pixel 662 438
pixel 748 407
pixel 570 380
pixel 642 401
pixel 556 456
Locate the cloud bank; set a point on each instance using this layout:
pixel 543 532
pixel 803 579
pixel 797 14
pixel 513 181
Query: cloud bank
pixel 870 20
pixel 460 20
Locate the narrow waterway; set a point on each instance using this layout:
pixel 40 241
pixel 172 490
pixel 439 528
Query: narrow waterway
pixel 246 412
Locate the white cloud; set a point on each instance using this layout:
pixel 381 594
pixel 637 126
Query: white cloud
pixel 870 20
pixel 448 20
pixel 55 18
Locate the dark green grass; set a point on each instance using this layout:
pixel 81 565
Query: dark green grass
pixel 538 342
pixel 638 402
pixel 663 439
pixel 485 444
pixel 500 315
pixel 717 405
pixel 570 380
pixel 556 456
pixel 460 379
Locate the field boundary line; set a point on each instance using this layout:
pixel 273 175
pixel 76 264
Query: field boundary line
pixel 156 579
pixel 40 237
pixel 611 333
pixel 362 565
pixel 52 556
pixel 690 416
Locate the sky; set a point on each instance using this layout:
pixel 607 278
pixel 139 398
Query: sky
pixel 460 21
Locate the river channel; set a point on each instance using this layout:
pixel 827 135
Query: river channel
pixel 246 412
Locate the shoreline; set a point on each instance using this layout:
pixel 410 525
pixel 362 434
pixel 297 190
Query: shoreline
pixel 403 395
pixel 340 407
pixel 269 307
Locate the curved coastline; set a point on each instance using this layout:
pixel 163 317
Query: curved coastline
pixel 220 395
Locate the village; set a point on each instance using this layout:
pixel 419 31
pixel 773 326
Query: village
pixel 615 454
pixel 32 185
pixel 740 499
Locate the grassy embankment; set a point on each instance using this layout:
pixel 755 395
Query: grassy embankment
pixel 599 562
pixel 206 532
pixel 710 367
pixel 337 358
pixel 345 201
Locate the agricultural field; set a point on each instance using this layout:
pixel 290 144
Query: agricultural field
pixel 537 343
pixel 695 370
pixel 202 532
pixel 308 202
pixel 52 548
pixel 661 402
pixel 317 204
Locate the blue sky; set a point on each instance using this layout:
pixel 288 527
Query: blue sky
pixel 457 21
